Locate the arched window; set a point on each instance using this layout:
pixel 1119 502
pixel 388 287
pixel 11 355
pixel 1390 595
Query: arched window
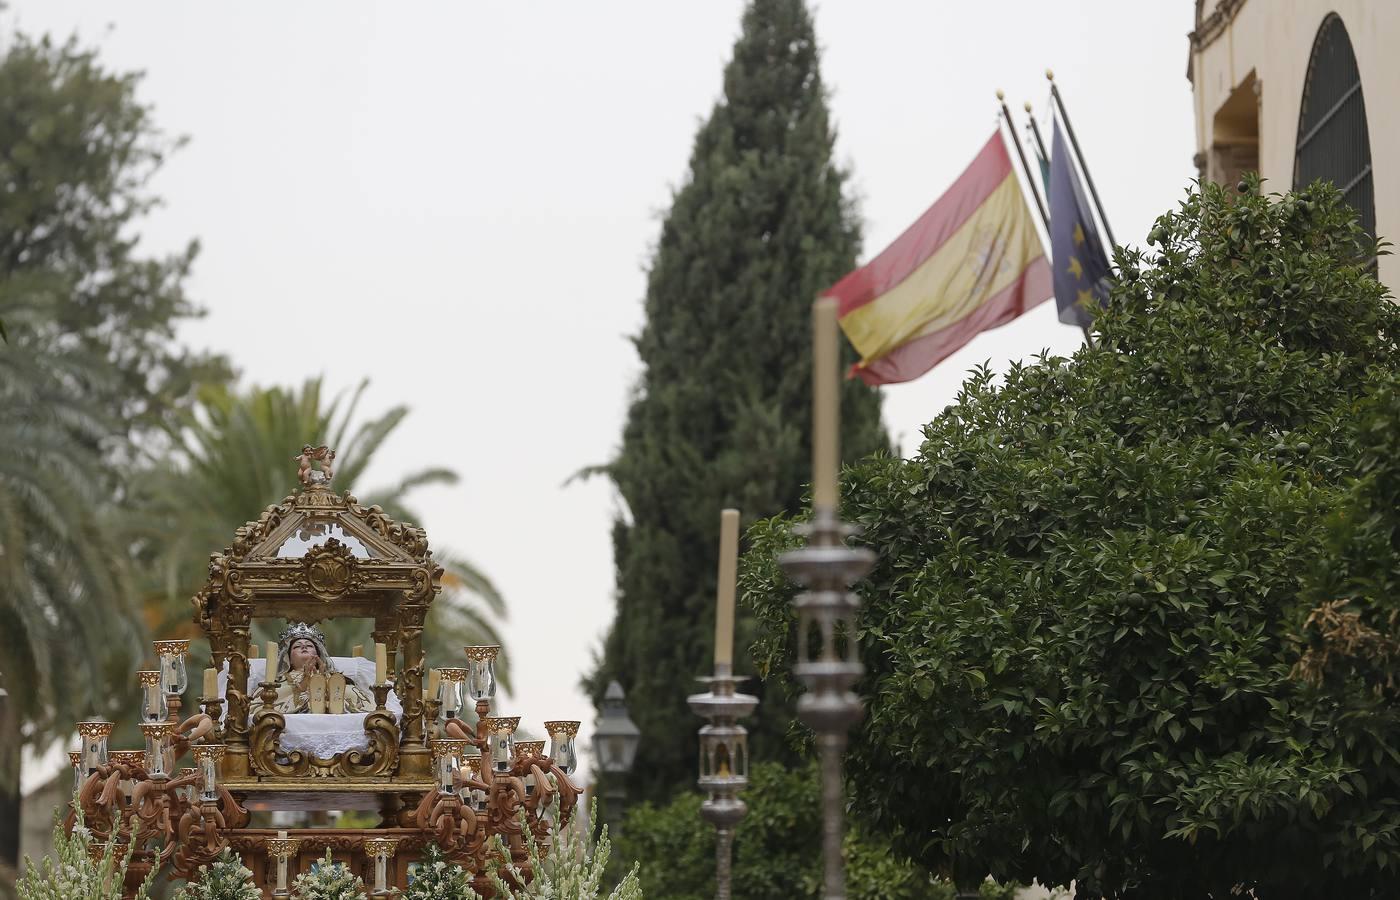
pixel 1333 141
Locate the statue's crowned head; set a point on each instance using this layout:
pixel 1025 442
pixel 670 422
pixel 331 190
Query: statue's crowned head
pixel 297 642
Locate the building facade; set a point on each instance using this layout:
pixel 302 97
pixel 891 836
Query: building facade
pixel 1299 90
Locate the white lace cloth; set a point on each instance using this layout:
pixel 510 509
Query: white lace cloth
pixel 322 734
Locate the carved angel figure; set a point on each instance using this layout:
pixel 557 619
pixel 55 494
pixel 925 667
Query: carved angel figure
pixel 308 475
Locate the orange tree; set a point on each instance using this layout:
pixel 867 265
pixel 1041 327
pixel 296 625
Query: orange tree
pixel 1093 643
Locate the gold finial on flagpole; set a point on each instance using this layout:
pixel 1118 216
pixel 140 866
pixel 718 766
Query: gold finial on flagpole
pixel 1001 95
pixel 1028 107
pixel 1049 74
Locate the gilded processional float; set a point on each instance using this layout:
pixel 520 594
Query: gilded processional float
pixel 300 729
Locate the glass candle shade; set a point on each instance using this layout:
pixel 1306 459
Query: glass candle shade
pixel 382 850
pixel 478 796
pixel 159 761
pixel 75 757
pixel 446 756
pixel 154 707
pixel 526 752
pixel 132 760
pixel 173 677
pixel 94 733
pixel 207 756
pixel 562 737
pixel 282 849
pixel 187 793
pixel 502 730
pixel 481 671
pixel 450 684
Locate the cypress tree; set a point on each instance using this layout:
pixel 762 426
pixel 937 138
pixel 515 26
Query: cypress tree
pixel 721 416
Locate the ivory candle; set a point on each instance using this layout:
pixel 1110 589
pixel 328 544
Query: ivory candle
pixel 281 835
pixel 358 651
pixel 724 595
pixel 381 664
pixel 434 679
pixel 271 671
pixel 826 413
pixel 211 683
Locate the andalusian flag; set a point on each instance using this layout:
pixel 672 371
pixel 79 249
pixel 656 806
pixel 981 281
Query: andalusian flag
pixel 972 262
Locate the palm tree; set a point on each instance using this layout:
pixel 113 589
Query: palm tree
pixel 65 591
pixel 231 458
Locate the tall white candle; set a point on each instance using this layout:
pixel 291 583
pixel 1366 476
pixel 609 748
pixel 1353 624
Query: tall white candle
pixel 271 661
pixel 381 664
pixel 434 682
pixel 724 595
pixel 211 683
pixel 826 412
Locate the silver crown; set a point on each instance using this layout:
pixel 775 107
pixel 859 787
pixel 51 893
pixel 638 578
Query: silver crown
pixel 301 630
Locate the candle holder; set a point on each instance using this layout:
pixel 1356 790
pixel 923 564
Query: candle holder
pixel 478 796
pixel 382 849
pixel 528 753
pixel 186 793
pixel 562 737
pixel 214 709
pixel 432 708
pixel 154 707
pixel 282 849
pixel 75 758
pixel 481 671
pixel 132 760
pixel 94 733
pixel 447 755
pixel 724 764
pixel 208 757
pixel 502 736
pixel 173 677
pixel 830 667
pixel 159 756
pixel 450 685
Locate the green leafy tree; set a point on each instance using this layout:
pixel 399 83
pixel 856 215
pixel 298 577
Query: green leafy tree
pixel 1087 637
pixel 226 879
pixel 232 457
pixel 79 151
pixel 721 416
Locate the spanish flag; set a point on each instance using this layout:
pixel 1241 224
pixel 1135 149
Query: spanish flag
pixel 972 262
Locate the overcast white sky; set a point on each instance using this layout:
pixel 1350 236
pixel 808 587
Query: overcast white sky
pixel 458 200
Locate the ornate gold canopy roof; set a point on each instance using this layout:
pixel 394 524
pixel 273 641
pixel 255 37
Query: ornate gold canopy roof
pixel 318 555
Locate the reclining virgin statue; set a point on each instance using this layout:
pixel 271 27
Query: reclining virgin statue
pixel 307 680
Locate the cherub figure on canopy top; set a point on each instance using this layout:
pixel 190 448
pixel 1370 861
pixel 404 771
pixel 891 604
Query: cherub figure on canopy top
pixel 310 476
pixel 306 677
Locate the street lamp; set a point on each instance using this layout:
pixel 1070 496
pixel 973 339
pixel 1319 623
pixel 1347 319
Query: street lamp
pixel 615 740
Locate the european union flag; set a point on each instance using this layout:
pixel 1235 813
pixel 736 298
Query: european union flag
pixel 1081 266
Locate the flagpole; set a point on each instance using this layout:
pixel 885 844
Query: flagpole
pixel 1025 167
pixel 1035 130
pixel 1074 142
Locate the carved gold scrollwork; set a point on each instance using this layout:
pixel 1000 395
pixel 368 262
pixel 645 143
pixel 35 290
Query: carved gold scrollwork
pixel 380 758
pixel 383 754
pixel 266 753
pixel 329 571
